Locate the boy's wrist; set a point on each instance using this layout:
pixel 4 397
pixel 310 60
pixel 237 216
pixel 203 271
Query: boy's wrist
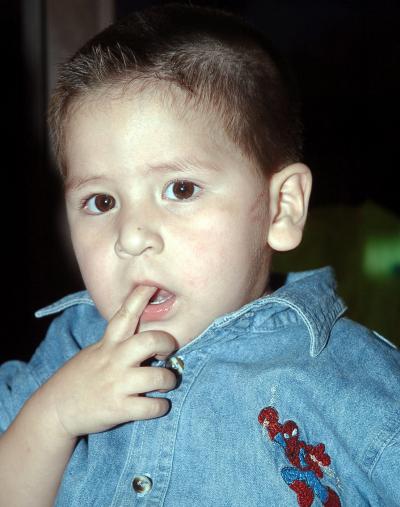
pixel 44 411
pixel 36 448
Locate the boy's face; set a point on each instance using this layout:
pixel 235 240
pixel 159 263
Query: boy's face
pixel 203 240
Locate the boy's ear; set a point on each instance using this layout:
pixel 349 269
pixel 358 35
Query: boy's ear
pixel 289 192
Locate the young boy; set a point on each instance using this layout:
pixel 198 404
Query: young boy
pixel 185 374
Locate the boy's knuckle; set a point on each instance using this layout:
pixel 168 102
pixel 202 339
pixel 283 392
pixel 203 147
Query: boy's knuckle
pixel 115 392
pixel 124 312
pixel 169 377
pixel 169 341
pixel 109 400
pixel 112 330
pixel 152 340
pixel 120 407
pixel 154 407
pixel 159 407
pixel 143 411
pixel 158 376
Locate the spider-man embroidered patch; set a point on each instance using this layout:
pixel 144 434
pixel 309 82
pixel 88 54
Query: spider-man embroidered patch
pixel 307 460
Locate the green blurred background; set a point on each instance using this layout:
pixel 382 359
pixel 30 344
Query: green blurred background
pixel 362 244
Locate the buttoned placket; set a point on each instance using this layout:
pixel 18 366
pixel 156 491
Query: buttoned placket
pixel 145 477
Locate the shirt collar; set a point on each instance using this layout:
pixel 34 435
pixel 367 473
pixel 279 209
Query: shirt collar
pixel 312 295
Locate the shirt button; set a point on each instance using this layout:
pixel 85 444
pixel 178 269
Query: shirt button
pixel 176 364
pixel 142 484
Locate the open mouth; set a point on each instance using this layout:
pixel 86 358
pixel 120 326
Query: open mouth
pixel 159 307
pixel 160 296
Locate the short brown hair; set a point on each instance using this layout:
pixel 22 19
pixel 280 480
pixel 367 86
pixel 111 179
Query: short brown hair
pixel 215 56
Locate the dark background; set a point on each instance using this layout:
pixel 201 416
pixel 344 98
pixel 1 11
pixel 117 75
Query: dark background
pixel 345 55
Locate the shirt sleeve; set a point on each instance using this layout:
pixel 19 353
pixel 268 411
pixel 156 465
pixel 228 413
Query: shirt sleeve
pixel 19 380
pixel 17 384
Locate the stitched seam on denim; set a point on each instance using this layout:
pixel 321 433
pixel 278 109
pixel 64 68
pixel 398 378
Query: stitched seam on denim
pixel 249 311
pixel 57 307
pixel 250 308
pixel 253 333
pixel 378 451
pixel 246 309
pixel 275 322
pixel 238 333
pixel 300 312
pixel 123 472
pixel 207 358
pixel 138 453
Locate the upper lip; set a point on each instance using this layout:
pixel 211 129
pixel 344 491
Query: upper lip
pixel 151 283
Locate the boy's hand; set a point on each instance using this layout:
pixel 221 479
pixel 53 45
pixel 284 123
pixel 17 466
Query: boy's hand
pixel 100 386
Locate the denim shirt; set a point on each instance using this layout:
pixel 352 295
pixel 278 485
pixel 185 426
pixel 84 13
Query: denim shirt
pixel 284 402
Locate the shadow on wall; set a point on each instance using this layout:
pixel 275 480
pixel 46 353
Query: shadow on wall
pixel 362 244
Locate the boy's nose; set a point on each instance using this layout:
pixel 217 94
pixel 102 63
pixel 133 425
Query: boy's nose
pixel 138 240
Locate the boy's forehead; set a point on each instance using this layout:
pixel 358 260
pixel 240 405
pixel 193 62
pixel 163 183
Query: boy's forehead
pixel 199 120
pixel 168 95
pixel 150 103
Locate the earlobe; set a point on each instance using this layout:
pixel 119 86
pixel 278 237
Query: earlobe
pixel 290 191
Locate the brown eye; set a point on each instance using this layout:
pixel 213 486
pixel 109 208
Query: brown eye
pixel 101 202
pixel 182 190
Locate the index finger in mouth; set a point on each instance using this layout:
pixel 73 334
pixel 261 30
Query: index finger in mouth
pixel 124 323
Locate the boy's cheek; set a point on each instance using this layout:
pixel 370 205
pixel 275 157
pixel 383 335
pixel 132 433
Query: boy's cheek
pixel 89 241
pixel 198 268
pixel 207 261
pixel 258 213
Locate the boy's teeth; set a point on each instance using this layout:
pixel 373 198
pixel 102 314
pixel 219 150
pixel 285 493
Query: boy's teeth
pixel 159 297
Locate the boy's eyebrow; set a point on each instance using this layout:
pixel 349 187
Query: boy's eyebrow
pixel 181 165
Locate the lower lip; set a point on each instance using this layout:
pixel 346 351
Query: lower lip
pixel 157 312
